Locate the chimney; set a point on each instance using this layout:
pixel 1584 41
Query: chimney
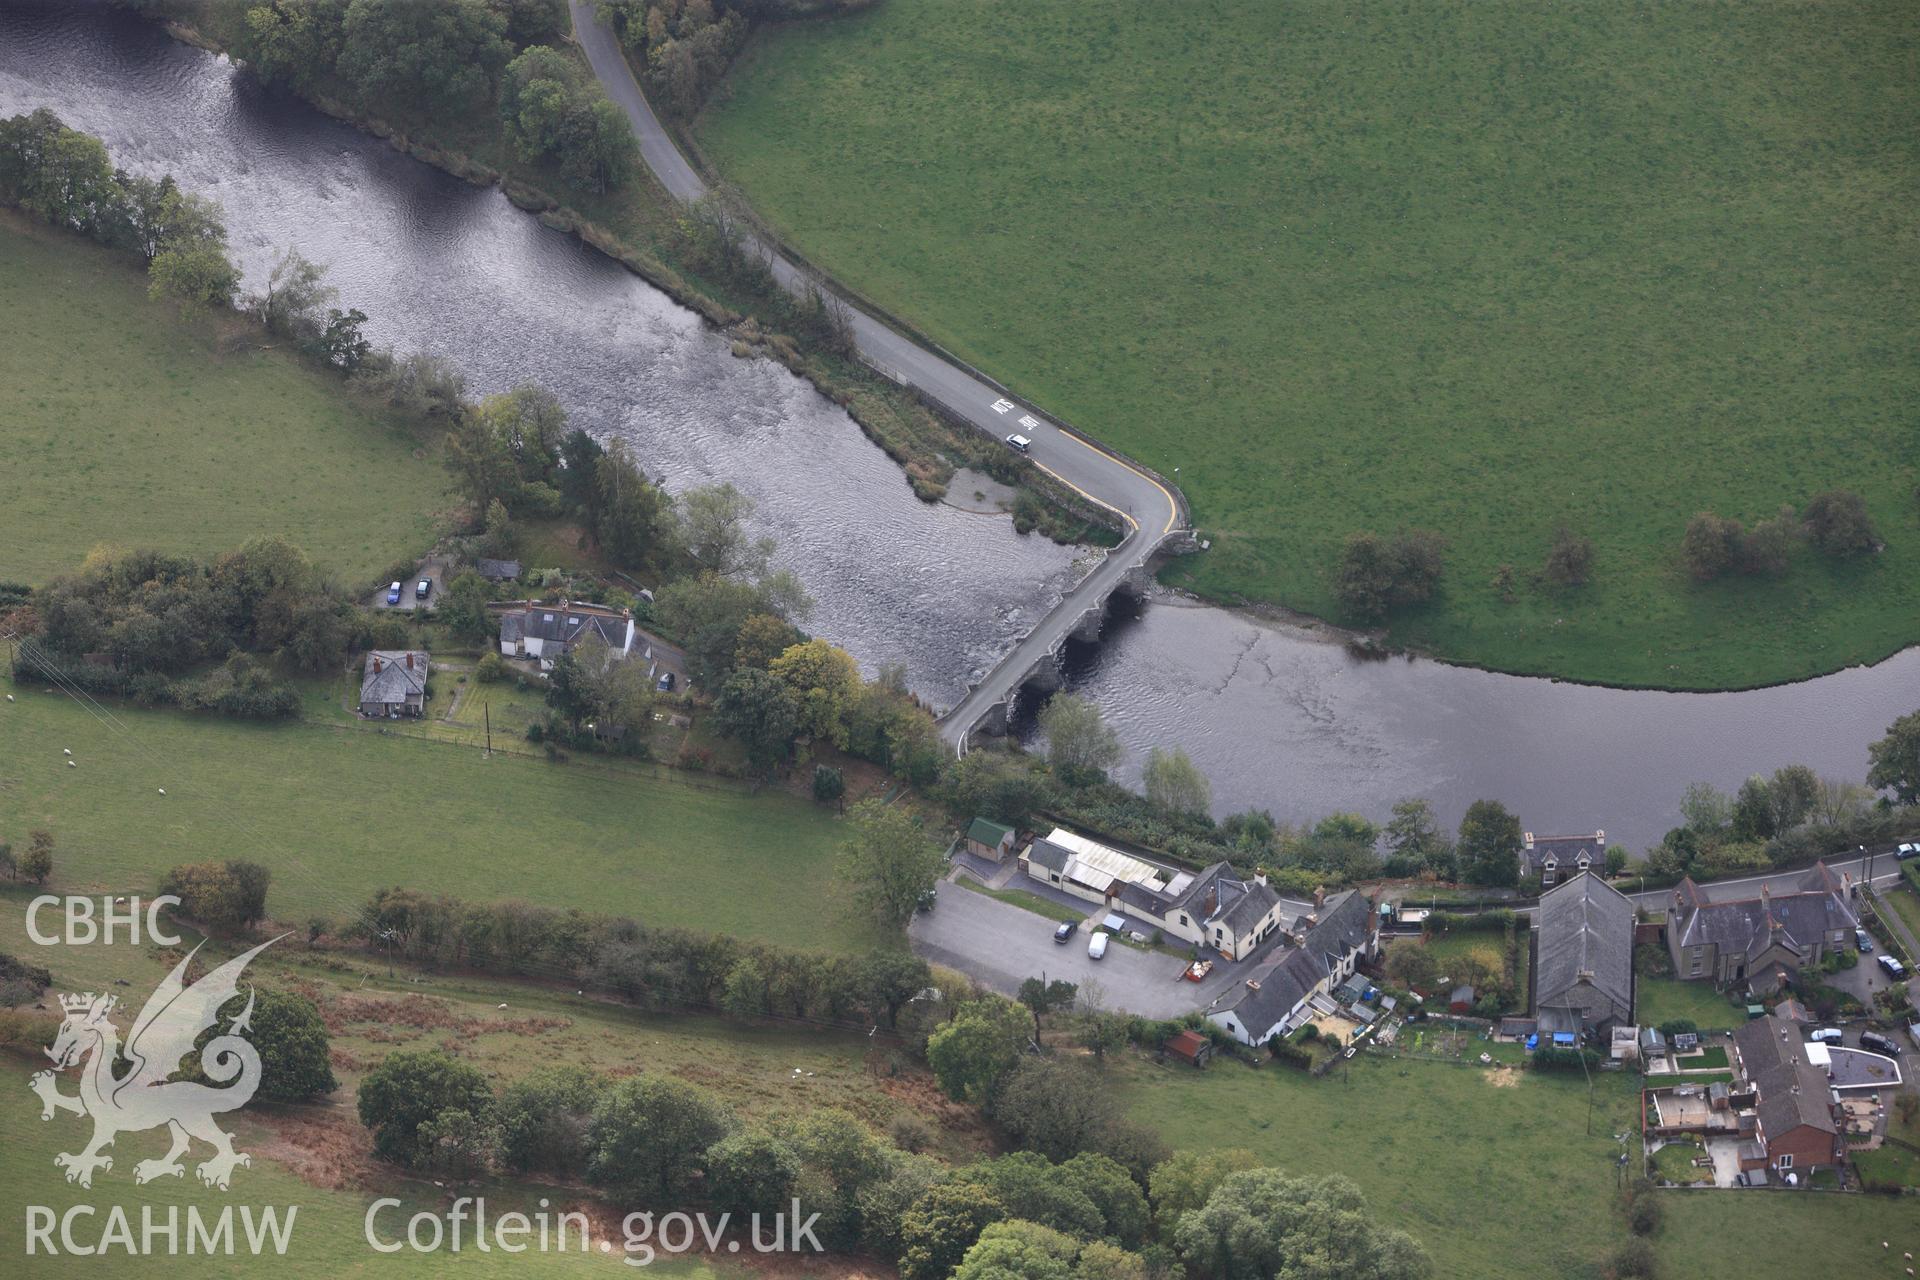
pixel 409 659
pixel 1526 838
pixel 376 664
pixel 1600 838
pixel 1260 877
pixel 1319 897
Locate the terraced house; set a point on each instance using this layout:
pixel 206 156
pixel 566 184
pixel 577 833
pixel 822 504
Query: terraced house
pixel 1214 908
pixel 1281 992
pixel 1730 935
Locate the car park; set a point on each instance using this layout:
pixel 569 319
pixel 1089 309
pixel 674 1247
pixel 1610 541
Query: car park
pixel 1827 1035
pixel 1019 443
pixel 1893 967
pixel 1879 1044
pixel 393 593
pixel 1097 946
pixel 1864 940
pixel 1065 932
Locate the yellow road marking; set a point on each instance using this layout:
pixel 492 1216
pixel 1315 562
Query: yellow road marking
pixel 1089 497
pixel 1173 508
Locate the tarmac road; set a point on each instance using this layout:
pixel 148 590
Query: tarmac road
pixel 1151 510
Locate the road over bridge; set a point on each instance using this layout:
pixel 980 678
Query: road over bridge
pixel 1151 509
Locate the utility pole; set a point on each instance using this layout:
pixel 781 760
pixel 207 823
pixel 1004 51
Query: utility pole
pixel 486 709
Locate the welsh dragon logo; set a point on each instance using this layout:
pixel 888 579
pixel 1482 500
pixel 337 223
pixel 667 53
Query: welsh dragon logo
pixel 144 1097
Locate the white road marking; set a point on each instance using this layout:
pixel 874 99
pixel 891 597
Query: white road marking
pixel 1001 406
pixel 1028 421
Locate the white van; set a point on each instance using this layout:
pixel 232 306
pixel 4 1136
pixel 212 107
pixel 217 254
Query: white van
pixel 1827 1035
pixel 1097 946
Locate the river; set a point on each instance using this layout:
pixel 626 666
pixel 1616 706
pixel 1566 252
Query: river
pixel 1279 717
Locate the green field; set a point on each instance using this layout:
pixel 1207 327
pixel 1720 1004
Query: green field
pixel 129 425
pixel 1495 1173
pixel 1482 268
pixel 337 812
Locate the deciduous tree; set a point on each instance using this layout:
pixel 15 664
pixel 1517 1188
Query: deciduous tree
pixel 650 1135
pixel 1080 745
pixel 1175 784
pixel 889 860
pixel 1894 761
pixel 1489 846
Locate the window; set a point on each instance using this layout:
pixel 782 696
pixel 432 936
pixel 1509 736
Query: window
pixel 1054 878
pixel 1785 1161
pixel 1184 920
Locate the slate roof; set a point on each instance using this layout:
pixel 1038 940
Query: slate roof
pixel 1744 925
pixel 1565 850
pixel 1340 931
pixel 1043 852
pixel 1586 936
pixel 566 623
pixel 393 680
pixel 1272 989
pixel 498 570
pixel 1793 1091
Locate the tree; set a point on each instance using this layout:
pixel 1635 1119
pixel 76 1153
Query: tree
pixel 408 1090
pixel 630 517
pixel 1489 845
pixel 1042 997
pixel 825 681
pixel 1710 545
pixel 570 689
pixel 650 1133
pixel 1175 784
pixel 1376 575
pixel 36 864
pixel 713 520
pixel 1767 549
pixel 1415 841
pixel 433 58
pixel 343 343
pixel 291 44
pixel 1793 789
pixel 890 862
pixel 463 607
pixel 1839 525
pixel 193 274
pixel 753 1172
pixel 1752 816
pixel 1894 761
pixel 887 980
pixel 287 1032
pixel 1080 745
pixel 296 292
pixel 829 786
pixel 1019 1250
pixel 1185 1181
pixel 545 1120
pixel 997 784
pixel 226 897
pixel 1570 560
pixel 1057 1108
pixel 1838 802
pixel 759 710
pixel 1264 1225
pixel 939 1228
pixel 478 455
pixel 1411 965
pixel 1707 809
pixel 973 1053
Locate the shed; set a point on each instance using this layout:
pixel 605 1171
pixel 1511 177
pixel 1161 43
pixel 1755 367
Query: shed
pixel 498 570
pixel 1461 1000
pixel 1192 1046
pixel 989 839
pixel 1651 1041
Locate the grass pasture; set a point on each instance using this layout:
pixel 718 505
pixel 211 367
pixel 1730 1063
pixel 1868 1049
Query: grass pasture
pixel 126 423
pixel 339 811
pixel 1482 268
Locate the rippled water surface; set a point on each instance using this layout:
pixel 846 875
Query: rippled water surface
pixel 1277 717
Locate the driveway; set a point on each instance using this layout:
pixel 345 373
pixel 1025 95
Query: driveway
pixel 1002 946
pixel 432 570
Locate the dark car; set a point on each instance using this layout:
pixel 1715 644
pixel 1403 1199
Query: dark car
pixel 666 682
pixel 1065 932
pixel 1879 1044
pixel 423 589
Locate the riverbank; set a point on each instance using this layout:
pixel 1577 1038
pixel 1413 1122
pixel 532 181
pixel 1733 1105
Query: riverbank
pixel 643 229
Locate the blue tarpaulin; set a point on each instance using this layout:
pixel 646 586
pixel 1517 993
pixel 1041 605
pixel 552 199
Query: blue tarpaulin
pixel 1563 1037
pixel 1533 1042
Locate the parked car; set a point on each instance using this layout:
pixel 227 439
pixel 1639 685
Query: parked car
pixel 1879 1044
pixel 1906 851
pixel 1827 1035
pixel 666 682
pixel 1065 932
pixel 423 588
pixel 925 902
pixel 393 593
pixel 1097 946
pixel 1019 443
pixel 1913 1031
pixel 1863 939
pixel 1893 967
